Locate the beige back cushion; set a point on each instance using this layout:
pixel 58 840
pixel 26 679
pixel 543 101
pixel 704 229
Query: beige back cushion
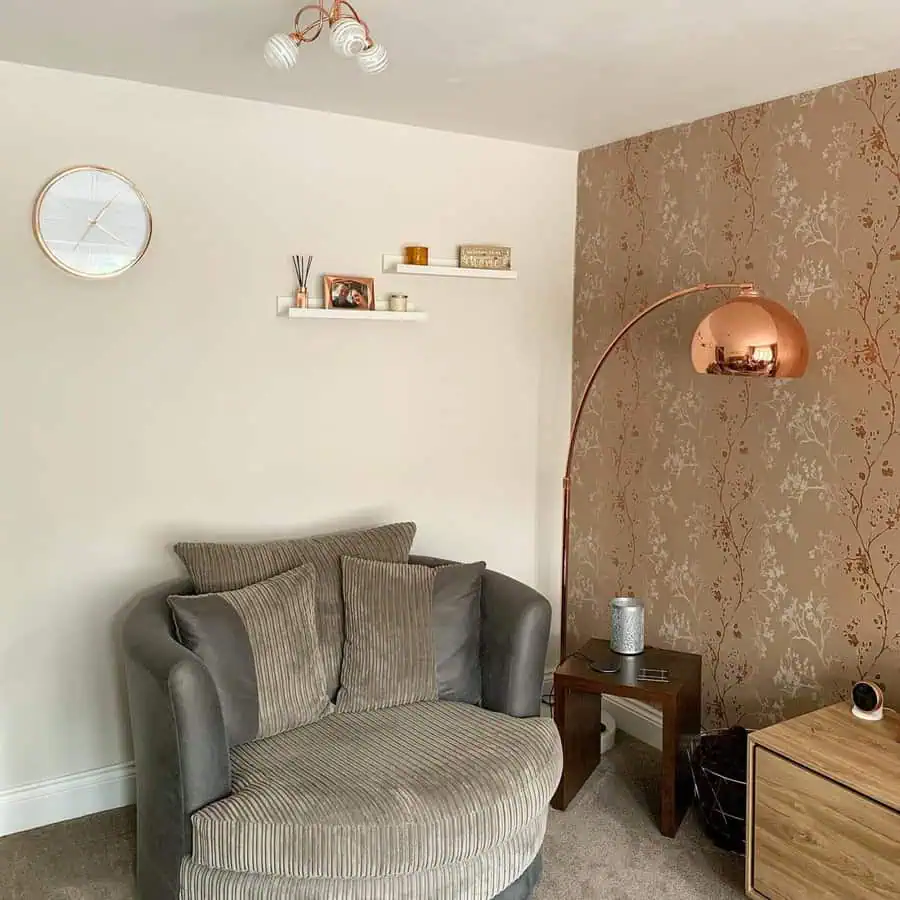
pixel 389 649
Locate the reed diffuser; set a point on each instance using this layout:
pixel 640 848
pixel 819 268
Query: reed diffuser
pixel 302 266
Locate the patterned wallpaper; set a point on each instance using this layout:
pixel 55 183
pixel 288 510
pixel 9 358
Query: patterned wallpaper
pixel 760 520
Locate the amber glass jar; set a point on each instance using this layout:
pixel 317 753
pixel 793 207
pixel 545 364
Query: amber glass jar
pixel 416 256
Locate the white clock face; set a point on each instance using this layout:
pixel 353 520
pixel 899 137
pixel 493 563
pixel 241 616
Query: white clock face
pixel 92 222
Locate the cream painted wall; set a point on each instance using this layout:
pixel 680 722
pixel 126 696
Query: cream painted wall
pixel 172 403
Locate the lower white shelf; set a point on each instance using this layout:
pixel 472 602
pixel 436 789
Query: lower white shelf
pixel 372 314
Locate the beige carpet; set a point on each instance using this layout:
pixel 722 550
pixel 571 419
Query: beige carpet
pixel 605 847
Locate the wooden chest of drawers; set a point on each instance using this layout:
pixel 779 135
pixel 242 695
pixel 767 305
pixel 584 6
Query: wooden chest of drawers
pixel 823 808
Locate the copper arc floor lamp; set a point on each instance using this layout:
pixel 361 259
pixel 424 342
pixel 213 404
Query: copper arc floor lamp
pixel 749 336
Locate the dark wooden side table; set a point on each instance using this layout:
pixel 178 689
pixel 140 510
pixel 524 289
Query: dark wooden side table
pixel 578 692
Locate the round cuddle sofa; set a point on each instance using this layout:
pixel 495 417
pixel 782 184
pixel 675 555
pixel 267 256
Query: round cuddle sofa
pixel 438 800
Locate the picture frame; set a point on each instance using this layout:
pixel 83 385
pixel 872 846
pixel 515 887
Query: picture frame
pixel 349 292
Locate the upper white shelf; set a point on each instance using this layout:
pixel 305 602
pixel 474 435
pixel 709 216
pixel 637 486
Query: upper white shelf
pixel 448 268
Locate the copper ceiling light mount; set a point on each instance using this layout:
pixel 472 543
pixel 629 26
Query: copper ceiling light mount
pixel 350 37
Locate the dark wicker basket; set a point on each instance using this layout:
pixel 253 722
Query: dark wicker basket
pixel 719 768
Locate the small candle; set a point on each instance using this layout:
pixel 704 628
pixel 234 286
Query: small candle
pixel 416 256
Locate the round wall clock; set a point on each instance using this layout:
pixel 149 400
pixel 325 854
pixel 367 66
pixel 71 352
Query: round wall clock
pixel 92 222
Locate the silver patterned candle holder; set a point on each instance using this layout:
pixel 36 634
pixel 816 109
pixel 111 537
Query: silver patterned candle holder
pixel 627 626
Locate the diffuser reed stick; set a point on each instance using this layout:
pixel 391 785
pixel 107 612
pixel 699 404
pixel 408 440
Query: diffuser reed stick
pixel 302 265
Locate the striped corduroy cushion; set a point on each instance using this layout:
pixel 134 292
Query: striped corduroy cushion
pixel 387 792
pixel 481 877
pixel 261 646
pixel 388 643
pixel 215 567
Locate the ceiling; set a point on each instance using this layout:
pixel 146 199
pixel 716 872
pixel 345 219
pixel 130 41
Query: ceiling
pixel 564 73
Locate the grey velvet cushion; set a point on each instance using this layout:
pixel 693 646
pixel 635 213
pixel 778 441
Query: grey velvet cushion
pixel 227 566
pixel 456 629
pixel 261 646
pixel 411 795
pixel 388 644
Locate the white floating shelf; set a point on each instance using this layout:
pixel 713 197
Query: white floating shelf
pixel 284 307
pixel 446 268
pixel 375 314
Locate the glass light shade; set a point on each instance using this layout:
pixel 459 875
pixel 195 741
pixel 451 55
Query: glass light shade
pixel 348 37
pixel 281 51
pixel 751 336
pixel 374 60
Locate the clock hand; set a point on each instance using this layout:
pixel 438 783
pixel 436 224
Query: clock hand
pixel 96 219
pixel 106 231
pixel 106 207
pixel 91 224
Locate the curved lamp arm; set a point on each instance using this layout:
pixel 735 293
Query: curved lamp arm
pixel 576 421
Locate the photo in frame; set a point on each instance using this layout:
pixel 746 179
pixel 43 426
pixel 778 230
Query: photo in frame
pixel 349 292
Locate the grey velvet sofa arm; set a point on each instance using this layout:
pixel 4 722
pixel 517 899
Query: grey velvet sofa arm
pixel 515 632
pixel 180 744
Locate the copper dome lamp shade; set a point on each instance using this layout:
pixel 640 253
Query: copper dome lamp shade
pixel 749 336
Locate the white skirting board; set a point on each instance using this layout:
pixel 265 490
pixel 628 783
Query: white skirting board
pixel 69 797
pixel 640 720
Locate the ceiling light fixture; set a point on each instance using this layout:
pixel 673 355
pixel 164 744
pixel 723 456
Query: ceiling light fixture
pixel 350 38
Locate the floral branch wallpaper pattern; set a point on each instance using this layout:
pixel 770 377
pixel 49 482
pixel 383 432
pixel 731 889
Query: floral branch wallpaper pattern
pixel 760 520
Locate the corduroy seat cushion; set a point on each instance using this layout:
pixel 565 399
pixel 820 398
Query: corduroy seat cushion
pixel 381 793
